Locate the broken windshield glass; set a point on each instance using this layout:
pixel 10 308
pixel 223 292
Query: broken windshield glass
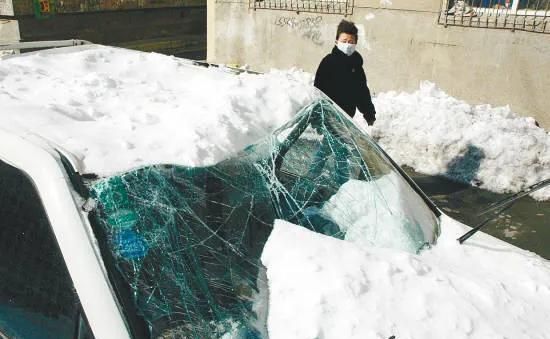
pixel 187 240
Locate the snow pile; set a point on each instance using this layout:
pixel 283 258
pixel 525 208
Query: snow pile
pixel 117 109
pixel 321 287
pixel 490 147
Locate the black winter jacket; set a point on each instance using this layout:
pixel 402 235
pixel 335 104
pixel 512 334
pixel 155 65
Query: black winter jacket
pixel 342 78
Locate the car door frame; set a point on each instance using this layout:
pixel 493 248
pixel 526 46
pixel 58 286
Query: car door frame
pixel 42 164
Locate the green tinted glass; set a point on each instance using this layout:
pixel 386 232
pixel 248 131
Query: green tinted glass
pixel 188 240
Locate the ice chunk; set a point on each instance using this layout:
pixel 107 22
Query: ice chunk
pixel 384 212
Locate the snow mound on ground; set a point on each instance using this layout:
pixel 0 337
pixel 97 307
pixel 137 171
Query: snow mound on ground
pixel 486 146
pixel 321 287
pixel 116 109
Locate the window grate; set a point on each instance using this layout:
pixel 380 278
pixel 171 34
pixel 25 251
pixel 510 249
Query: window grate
pixel 344 7
pixel 523 15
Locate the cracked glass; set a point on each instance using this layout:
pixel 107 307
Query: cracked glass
pixel 187 241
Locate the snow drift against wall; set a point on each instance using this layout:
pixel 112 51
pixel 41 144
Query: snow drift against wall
pixel 486 146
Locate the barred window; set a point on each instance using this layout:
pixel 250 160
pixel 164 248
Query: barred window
pixel 525 15
pixel 314 6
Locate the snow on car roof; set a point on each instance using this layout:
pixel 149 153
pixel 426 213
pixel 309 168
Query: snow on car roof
pixel 115 109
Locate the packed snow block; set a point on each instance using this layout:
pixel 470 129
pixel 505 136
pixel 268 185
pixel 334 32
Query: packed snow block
pixel 320 287
pixel 188 240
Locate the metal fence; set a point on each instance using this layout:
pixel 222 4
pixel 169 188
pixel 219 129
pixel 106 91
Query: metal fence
pixel 524 15
pixel 314 6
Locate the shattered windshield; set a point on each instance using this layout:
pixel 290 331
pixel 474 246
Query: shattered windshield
pixel 186 241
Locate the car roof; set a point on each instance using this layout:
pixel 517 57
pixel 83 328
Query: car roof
pixel 111 109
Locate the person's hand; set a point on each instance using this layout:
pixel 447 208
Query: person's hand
pixel 370 120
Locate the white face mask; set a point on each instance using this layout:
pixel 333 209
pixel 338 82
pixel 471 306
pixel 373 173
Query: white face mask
pixel 346 48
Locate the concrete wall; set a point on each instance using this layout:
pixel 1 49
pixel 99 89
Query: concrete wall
pixel 9 29
pixel 402 44
pixel 6 7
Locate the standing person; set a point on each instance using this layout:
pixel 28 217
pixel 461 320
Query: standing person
pixel 340 75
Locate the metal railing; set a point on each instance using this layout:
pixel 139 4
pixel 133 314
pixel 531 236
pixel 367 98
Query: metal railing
pixel 344 7
pixel 41 44
pixel 523 15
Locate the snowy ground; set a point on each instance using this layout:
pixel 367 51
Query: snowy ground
pixel 117 109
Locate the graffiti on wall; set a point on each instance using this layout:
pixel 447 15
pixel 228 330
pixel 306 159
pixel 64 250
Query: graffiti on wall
pixel 308 27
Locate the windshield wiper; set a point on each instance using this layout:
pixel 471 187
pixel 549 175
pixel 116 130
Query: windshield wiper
pixel 500 206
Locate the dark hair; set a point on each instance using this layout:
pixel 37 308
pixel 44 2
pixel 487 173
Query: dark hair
pixel 346 27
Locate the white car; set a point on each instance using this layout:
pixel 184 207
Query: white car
pixel 174 251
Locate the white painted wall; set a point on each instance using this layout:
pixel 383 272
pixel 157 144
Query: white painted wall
pixel 402 45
